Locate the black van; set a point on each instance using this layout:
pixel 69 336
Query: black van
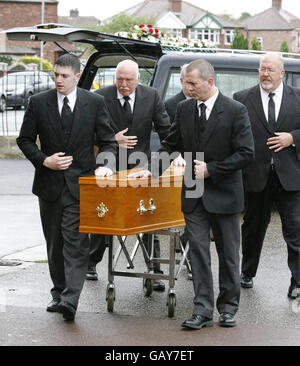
pixel 159 67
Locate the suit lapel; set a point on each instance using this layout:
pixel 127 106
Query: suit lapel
pixel 54 116
pixel 79 115
pixel 113 106
pixel 284 107
pixel 213 119
pixel 255 100
pixel 138 110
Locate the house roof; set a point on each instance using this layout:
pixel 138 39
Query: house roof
pixel 272 19
pixel 29 1
pixel 189 14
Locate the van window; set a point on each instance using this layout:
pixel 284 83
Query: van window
pixel 228 82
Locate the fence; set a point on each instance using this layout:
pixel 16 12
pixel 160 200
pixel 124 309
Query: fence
pixel 15 91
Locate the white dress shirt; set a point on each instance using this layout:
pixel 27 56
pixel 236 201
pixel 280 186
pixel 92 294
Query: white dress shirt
pixel 71 97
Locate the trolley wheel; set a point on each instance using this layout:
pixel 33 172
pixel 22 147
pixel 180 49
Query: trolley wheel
pixel 148 286
pixel 110 298
pixel 171 305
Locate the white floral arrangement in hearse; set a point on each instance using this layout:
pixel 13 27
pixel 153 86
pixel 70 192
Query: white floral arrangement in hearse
pixel 150 33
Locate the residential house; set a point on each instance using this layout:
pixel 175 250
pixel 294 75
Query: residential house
pixel 183 19
pixel 272 26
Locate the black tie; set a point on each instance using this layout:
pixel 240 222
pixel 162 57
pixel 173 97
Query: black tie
pixel 271 112
pixel 66 116
pixel 127 111
pixel 202 117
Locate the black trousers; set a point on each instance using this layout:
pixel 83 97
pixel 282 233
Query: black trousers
pixel 97 249
pixel 67 248
pixel 257 218
pixel 226 229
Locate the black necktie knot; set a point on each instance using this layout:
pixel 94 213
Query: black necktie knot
pixel 271 95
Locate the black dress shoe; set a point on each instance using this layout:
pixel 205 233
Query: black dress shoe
pixel 227 320
pixel 197 322
pixel 158 285
pixel 246 282
pixel 190 276
pixel 53 306
pixel 68 311
pixel 91 274
pixel 293 292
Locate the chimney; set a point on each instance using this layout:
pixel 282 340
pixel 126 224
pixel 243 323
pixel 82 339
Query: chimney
pixel 74 13
pixel 175 6
pixel 276 4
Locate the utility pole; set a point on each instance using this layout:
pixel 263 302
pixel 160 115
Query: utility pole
pixel 41 43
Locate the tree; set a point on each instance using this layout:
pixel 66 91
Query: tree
pixel 239 42
pixel 284 47
pixel 125 23
pixel 47 66
pixel 255 44
pixel 243 16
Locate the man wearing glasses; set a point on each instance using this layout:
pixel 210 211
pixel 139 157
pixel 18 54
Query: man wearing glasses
pixel 274 175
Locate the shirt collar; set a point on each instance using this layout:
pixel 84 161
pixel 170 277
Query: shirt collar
pixel 71 96
pixel 131 96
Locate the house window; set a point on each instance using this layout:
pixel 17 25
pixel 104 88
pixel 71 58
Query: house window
pixel 298 39
pixel 229 36
pixel 176 33
pixel 260 41
pixel 209 34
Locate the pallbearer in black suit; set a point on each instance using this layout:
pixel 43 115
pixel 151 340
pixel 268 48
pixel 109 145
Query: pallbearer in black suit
pixel 133 108
pixel 274 175
pixel 220 127
pixel 66 120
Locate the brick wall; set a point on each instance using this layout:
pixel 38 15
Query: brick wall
pixel 18 14
pixel 272 39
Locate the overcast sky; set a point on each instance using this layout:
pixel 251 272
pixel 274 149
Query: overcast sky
pixel 103 9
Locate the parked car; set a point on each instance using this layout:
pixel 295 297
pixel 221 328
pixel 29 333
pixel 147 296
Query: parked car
pixel 17 88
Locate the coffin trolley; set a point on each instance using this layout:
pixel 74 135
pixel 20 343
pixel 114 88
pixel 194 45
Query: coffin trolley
pixel 122 206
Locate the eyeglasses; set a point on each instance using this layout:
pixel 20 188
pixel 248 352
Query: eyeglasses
pixel 264 71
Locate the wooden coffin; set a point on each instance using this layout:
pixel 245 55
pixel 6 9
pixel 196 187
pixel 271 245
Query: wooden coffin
pixel 117 205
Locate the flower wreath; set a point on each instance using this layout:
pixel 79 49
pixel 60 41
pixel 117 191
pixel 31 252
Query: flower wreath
pixel 152 34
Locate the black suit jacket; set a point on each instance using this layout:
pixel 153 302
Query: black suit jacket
pixel 171 105
pixel 148 109
pixel 286 161
pixel 228 147
pixel 42 120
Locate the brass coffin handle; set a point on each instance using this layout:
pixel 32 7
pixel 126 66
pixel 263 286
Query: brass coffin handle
pixel 102 210
pixel 142 209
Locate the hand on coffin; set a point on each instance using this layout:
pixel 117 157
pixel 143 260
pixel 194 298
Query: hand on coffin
pixel 128 142
pixel 179 161
pixel 200 169
pixel 102 171
pixel 140 174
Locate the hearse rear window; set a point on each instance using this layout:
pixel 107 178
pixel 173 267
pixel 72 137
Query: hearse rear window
pixel 106 70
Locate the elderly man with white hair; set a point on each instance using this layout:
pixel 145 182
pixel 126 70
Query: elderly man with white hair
pixel 134 110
